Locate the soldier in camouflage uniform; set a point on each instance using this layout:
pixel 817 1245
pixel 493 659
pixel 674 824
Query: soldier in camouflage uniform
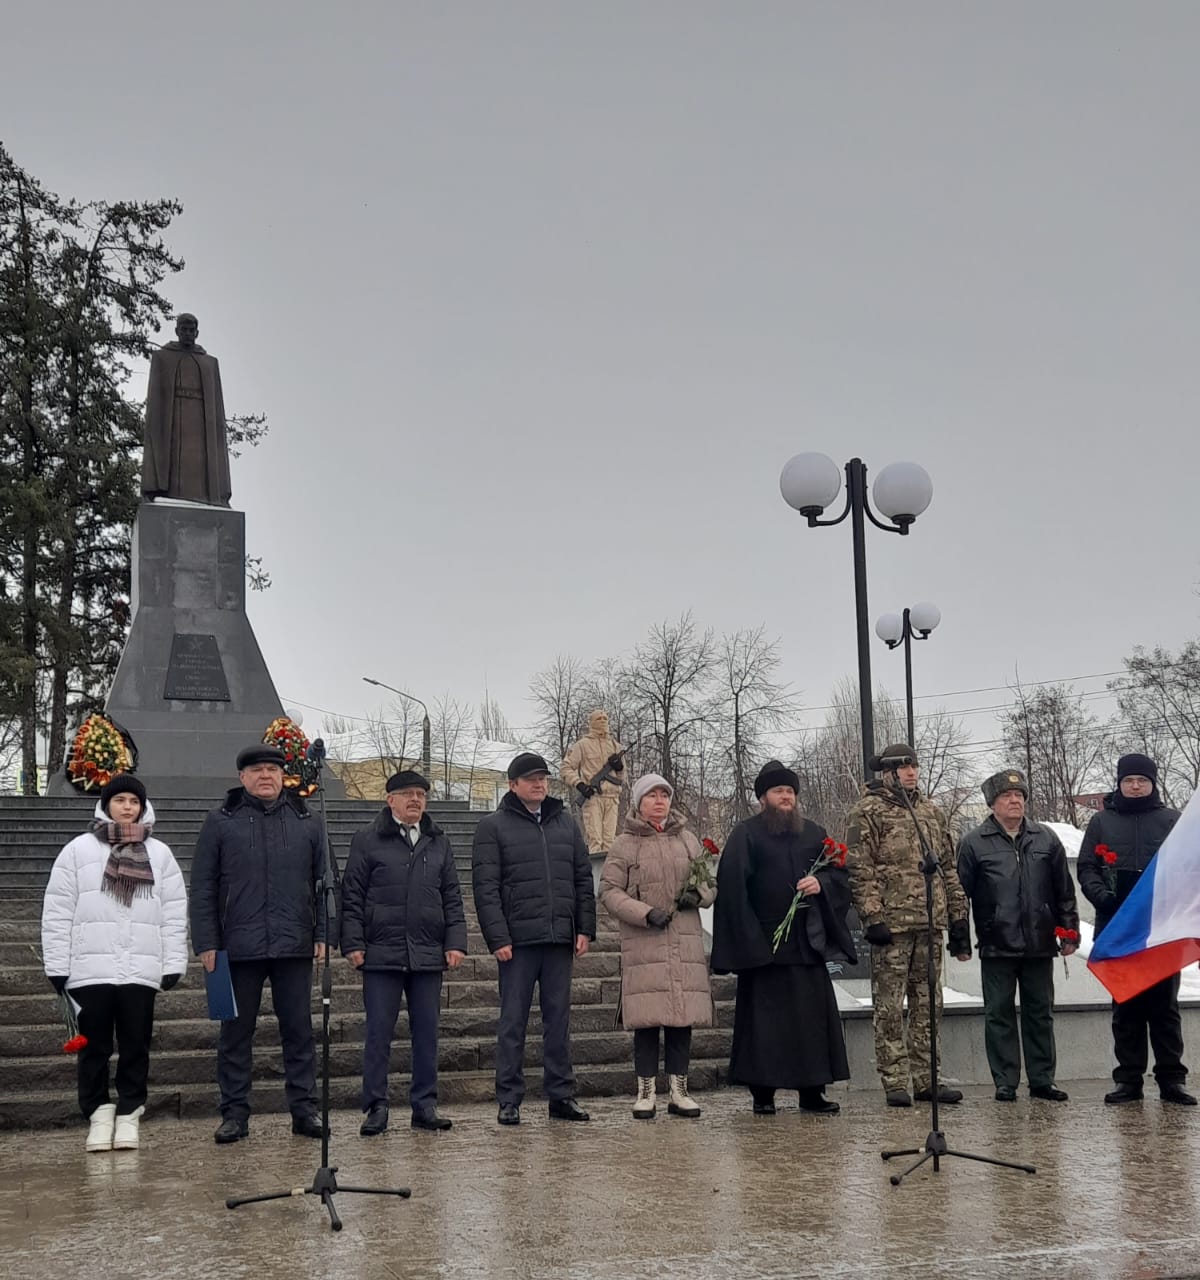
pixel 889 894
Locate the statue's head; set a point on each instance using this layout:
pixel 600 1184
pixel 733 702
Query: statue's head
pixel 187 328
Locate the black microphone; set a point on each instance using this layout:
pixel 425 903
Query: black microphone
pixel 316 750
pixel 887 764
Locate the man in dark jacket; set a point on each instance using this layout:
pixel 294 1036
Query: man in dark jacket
pixel 537 909
pixel 787 1032
pixel 255 869
pixel 1015 872
pixel 402 924
pixel 1117 847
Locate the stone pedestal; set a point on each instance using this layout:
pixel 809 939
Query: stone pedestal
pixel 192 687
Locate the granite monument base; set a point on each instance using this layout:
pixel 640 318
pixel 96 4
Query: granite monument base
pixel 192 687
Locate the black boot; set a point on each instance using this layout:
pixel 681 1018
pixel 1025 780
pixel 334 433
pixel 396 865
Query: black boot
pixel 1177 1094
pixel 814 1100
pixel 764 1101
pixel 375 1122
pixel 1124 1092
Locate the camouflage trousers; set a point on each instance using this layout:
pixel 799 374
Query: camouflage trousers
pixel 898 970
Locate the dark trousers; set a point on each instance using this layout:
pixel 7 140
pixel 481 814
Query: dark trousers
pixel 127 1009
pixel 291 994
pixel 384 991
pixel 1156 1011
pixel 677 1050
pixel 1002 975
pixel 549 966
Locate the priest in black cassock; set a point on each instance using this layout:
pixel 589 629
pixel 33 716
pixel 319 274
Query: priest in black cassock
pixel 787 1033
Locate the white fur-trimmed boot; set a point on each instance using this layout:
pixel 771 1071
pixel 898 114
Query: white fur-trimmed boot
pixel 126 1136
pixel 103 1120
pixel 643 1108
pixel 681 1103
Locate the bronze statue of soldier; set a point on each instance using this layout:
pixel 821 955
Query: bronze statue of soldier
pixel 186 454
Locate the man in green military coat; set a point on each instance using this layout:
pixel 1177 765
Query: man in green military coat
pixel 886 880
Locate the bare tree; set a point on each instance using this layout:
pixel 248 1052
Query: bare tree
pixel 750 705
pixel 1159 699
pixel 381 743
pixel 492 723
pixel 449 717
pixel 1061 747
pixel 558 694
pixel 668 676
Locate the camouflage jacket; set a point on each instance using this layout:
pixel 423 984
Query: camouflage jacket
pixel 884 861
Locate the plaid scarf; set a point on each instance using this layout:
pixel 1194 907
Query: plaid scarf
pixel 127 871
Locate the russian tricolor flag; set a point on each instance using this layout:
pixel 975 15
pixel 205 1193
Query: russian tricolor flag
pixel 1156 931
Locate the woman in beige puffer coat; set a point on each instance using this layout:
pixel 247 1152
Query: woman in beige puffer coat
pixel 664 972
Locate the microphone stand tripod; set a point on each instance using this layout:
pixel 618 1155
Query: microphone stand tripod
pixel 935 1143
pixel 325 1183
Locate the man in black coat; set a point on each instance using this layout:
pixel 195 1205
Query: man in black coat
pixel 787 1032
pixel 1015 872
pixel 402 925
pixel 255 868
pixel 537 908
pixel 1117 847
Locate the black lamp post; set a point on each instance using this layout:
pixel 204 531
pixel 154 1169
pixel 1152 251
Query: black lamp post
pixel 896 629
pixel 810 482
pixel 426 727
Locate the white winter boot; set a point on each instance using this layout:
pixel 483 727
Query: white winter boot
pixel 643 1108
pixel 681 1103
pixel 126 1136
pixel 100 1135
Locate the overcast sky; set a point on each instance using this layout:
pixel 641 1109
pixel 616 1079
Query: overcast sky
pixel 539 298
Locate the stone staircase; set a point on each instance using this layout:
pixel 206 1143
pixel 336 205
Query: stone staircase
pixel 37 1081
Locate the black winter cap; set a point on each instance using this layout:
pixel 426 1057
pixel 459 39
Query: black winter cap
pixel 404 779
pixel 121 784
pixel 526 763
pixel 775 774
pixel 1136 765
pixel 260 753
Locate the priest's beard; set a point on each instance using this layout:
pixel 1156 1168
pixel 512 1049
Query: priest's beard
pixel 781 822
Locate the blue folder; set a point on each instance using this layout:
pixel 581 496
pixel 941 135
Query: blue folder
pixel 222 1003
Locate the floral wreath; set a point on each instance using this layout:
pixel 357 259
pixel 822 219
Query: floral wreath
pixel 300 774
pixel 98 753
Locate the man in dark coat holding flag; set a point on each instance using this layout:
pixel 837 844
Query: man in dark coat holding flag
pixel 787 1032
pixel 1119 844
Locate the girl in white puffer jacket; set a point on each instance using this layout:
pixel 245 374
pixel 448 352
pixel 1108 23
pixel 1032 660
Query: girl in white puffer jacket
pixel 114 933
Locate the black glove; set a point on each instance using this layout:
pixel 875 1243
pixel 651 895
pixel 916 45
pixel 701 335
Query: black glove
pixel 878 934
pixel 657 919
pixel 960 938
pixel 170 980
pixel 584 790
pixel 615 763
pixel 58 982
pixel 689 898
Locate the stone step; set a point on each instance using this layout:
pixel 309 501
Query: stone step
pixel 85 802
pixel 187 1001
pixel 455 1054
pixel 28 976
pixel 56 1108
pixel 45 1038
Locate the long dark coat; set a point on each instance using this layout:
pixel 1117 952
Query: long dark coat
pixel 532 880
pixel 756 881
pixel 254 874
pixel 401 904
pixel 160 409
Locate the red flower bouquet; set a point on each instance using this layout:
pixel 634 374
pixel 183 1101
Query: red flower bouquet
pixel 832 854
pixel 1069 937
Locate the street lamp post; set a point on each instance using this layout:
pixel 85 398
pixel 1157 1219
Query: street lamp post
pixel 426 727
pixel 810 482
pixel 896 629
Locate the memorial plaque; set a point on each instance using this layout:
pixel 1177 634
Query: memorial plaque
pixel 195 672
pixel 843 968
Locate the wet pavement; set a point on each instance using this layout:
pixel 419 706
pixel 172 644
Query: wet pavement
pixel 730 1195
